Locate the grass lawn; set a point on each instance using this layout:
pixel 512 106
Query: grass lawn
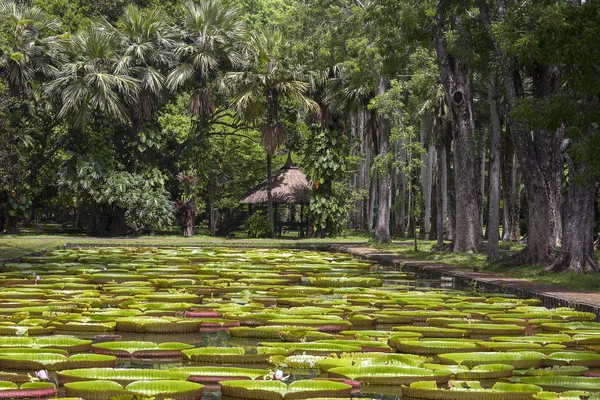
pixel 12 246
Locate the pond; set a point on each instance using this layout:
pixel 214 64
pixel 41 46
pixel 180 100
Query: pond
pixel 190 323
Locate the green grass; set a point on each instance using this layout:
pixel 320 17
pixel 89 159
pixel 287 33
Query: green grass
pixel 12 246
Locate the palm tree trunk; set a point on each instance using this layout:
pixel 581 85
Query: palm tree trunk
pixel 270 195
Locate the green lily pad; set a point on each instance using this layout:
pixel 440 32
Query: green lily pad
pixel 389 375
pixel 276 390
pixel 519 360
pixel 470 390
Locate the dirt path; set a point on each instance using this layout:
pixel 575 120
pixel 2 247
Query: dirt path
pixel 550 295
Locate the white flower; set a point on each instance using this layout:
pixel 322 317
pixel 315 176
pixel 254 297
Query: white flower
pixel 278 376
pixel 42 374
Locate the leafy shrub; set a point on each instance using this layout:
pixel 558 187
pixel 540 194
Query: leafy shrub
pixel 258 226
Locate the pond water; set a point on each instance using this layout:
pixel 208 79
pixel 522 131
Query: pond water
pixel 310 314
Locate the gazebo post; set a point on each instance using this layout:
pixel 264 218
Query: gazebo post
pixel 277 224
pixel 301 230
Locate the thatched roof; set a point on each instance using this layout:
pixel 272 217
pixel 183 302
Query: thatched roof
pixel 288 186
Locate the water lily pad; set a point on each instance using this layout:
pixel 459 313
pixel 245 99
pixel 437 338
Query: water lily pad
pixel 218 374
pixel 141 349
pixel 10 390
pixel 121 375
pixel 470 390
pixel 561 383
pixel 519 360
pixel 431 346
pixel 276 390
pixel 167 389
pixel 389 375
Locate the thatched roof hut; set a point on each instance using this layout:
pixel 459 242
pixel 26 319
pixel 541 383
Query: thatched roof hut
pixel 288 186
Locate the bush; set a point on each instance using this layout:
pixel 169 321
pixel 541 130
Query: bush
pixel 258 226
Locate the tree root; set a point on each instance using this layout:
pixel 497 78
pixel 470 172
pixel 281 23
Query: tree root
pixel 565 262
pixel 524 258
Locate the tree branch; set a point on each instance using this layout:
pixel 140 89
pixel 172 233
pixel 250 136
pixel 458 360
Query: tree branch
pixel 360 4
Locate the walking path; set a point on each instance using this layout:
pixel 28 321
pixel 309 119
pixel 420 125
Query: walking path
pixel 550 295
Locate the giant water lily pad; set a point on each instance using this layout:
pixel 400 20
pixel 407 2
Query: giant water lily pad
pixel 519 360
pixel 232 355
pixel 94 390
pixel 562 382
pixel 10 390
pixel 158 324
pixel 572 358
pixel 431 346
pixel 370 359
pixel 313 347
pixel 276 390
pixel 486 371
pixel 218 374
pixel 569 395
pixel 470 390
pixel 166 389
pixel 141 349
pixel 389 375
pixel 121 375
pixel 53 361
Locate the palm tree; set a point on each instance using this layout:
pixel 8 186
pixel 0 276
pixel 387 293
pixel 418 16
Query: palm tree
pixel 267 75
pixel 94 79
pixel 146 39
pixel 29 50
pixel 210 35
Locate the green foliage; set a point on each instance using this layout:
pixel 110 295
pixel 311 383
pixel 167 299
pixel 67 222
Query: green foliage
pixel 329 211
pixel 325 163
pixel 19 205
pixel 142 196
pixel 258 226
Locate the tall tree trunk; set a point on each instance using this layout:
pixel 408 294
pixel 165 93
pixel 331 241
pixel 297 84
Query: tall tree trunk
pixel 450 200
pixel 365 172
pixel 481 191
pixel 439 193
pixel 546 145
pixel 511 185
pixel 372 202
pixel 426 175
pixel 515 202
pixel 538 156
pixel 382 232
pixel 541 227
pixel 493 229
pixel 189 218
pixel 456 79
pixel 270 194
pixel 402 193
pixel 432 235
pixel 577 251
